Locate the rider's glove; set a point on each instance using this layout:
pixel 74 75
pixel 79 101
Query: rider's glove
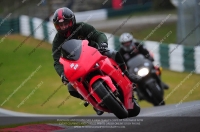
pixel 103 46
pixel 64 79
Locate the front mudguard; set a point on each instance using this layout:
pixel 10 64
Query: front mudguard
pixel 107 80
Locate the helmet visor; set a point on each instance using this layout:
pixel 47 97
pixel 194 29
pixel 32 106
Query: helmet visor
pixel 127 44
pixel 64 24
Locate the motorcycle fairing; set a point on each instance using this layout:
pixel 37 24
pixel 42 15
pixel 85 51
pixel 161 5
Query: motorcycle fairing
pixel 76 69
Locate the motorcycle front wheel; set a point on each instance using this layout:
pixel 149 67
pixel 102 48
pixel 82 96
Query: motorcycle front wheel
pixel 109 100
pixel 157 94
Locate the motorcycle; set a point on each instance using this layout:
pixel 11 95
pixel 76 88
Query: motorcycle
pixel 98 79
pixel 150 84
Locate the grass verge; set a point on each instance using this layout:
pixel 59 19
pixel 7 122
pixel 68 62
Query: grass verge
pixel 51 97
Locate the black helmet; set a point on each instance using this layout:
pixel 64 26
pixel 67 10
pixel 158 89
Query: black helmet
pixel 64 21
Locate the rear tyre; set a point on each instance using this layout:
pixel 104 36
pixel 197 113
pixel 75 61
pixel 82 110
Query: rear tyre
pixel 109 100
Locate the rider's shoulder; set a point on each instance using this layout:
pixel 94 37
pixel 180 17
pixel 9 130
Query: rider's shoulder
pixel 58 37
pixel 137 43
pixel 80 24
pixel 121 50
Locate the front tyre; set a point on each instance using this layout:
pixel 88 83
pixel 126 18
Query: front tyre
pixel 109 100
pixel 157 94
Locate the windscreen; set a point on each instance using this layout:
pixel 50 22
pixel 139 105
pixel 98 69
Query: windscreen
pixel 138 61
pixel 71 49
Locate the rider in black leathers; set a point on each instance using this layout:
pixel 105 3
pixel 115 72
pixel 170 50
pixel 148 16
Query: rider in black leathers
pixel 130 48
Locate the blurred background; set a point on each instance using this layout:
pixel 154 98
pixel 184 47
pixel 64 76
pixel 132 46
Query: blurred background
pixel 28 81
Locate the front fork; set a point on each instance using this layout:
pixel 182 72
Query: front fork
pixel 107 80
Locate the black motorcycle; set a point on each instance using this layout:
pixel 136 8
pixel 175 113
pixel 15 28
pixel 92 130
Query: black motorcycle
pixel 150 84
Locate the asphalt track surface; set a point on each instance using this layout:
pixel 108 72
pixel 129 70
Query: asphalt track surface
pixel 184 117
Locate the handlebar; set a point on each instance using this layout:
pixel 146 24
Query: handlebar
pixel 103 50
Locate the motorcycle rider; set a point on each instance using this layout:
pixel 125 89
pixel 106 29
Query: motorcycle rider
pixel 65 23
pixel 130 48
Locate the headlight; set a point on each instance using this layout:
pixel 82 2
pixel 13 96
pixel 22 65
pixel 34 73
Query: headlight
pixel 143 72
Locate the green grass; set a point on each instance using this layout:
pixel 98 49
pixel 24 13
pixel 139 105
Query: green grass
pixel 165 34
pixel 141 32
pixel 16 67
